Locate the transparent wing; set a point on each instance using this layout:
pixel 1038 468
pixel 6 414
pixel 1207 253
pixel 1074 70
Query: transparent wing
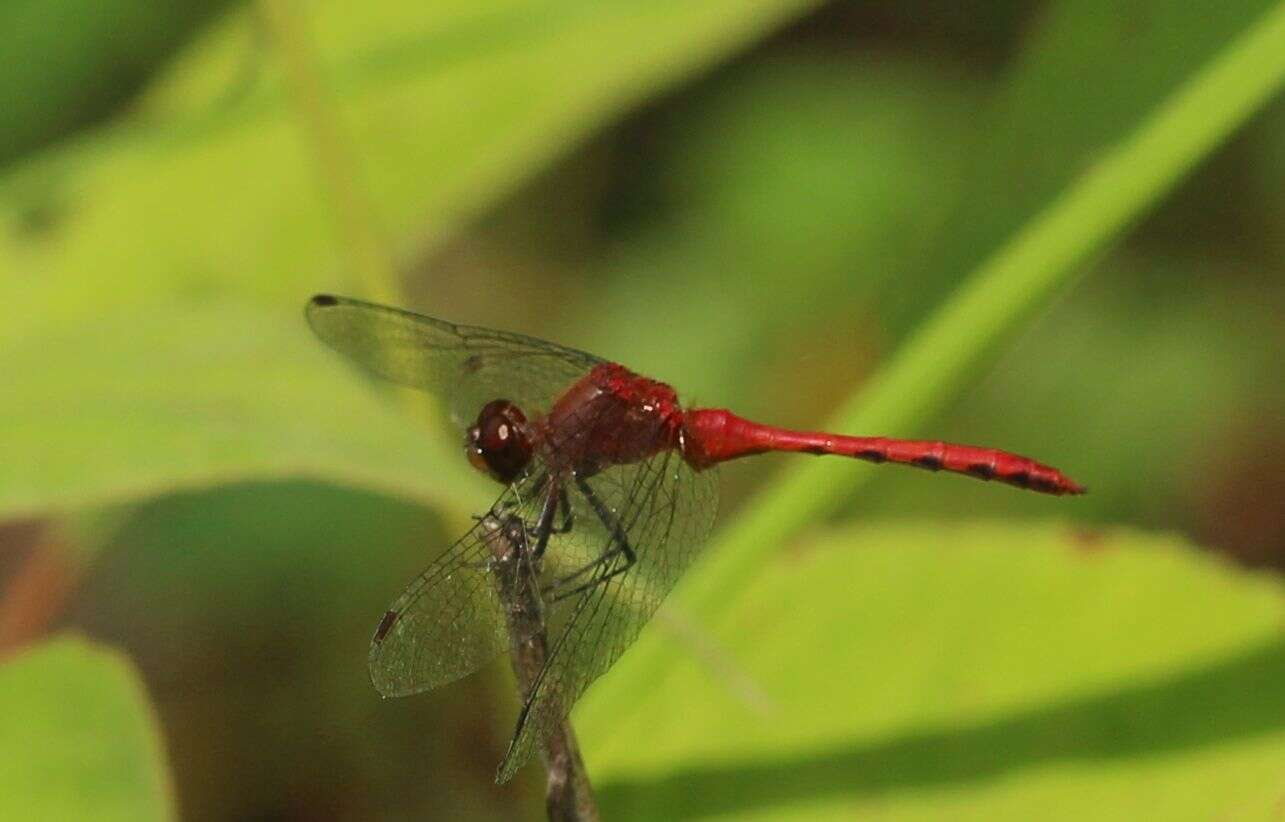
pixel 467 365
pixel 448 622
pixel 664 511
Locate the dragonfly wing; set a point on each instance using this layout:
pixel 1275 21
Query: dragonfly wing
pixel 447 623
pixel 469 365
pixel 665 510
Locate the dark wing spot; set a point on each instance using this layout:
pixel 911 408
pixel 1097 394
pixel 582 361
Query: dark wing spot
pixel 472 364
pixel 982 470
pixel 325 300
pixel 929 461
pixel 385 625
pixel 873 454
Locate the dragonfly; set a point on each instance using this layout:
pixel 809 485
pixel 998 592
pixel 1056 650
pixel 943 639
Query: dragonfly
pixel 611 480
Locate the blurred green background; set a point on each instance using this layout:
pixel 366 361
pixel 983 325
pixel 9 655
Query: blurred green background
pixel 1056 228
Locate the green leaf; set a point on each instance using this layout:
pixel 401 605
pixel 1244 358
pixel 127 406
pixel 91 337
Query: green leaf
pixel 981 670
pixel 1087 76
pixel 769 183
pixel 997 298
pixel 123 390
pixel 313 568
pixel 69 62
pixel 78 739
pixel 1152 445
pixel 444 108
pixel 193 396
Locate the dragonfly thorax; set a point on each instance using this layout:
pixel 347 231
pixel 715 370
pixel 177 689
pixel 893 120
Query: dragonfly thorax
pixel 610 417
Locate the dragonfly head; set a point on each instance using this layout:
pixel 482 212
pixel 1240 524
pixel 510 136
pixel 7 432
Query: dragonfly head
pixel 499 443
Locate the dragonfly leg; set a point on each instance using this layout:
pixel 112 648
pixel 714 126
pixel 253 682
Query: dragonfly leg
pixel 537 488
pixel 544 525
pixel 562 581
pixel 568 516
pixel 558 596
pixel 608 520
pixel 508 503
pixel 620 546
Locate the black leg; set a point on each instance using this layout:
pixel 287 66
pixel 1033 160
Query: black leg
pixel 568 516
pixel 544 525
pixel 620 545
pixel 558 596
pixel 537 487
pixel 589 566
pixel 508 502
pixel 608 520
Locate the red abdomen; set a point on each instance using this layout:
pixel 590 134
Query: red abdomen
pixel 714 435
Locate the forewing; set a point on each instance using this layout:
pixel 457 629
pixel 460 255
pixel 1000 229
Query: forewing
pixel 447 623
pixel 467 365
pixel 665 510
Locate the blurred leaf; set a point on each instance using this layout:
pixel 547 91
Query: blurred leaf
pixel 270 593
pixel 446 110
pixel 67 62
pixel 124 390
pixel 945 354
pixel 1087 75
pixel 983 671
pixel 78 738
pixel 813 180
pixel 1133 423
pixel 140 402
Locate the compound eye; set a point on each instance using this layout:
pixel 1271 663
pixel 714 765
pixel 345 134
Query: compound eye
pixel 496 435
pixel 474 451
pixel 499 443
pixel 500 411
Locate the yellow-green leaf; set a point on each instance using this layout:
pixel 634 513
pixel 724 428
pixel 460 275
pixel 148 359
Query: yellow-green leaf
pixel 140 402
pixel 116 387
pixel 983 670
pixel 78 739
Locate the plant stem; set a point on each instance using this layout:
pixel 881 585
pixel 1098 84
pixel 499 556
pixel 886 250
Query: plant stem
pixel 569 796
pixel 336 163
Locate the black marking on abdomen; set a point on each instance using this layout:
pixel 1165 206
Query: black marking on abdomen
pixel 1022 479
pixel 873 454
pixel 929 461
pixel 1043 484
pixel 982 470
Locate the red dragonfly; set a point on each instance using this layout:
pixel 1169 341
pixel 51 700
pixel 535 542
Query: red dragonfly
pixel 610 476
